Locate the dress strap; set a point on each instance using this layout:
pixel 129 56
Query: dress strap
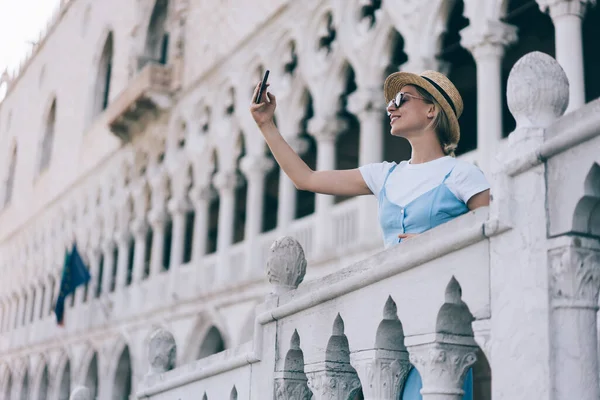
pixel 388 175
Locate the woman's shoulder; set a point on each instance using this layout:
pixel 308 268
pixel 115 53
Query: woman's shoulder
pixel 466 171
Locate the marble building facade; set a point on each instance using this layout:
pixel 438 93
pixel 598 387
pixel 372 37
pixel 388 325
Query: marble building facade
pixel 127 131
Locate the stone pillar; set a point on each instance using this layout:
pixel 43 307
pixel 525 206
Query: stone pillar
pixel 384 368
pixel 255 169
pixel 487 42
pixel 123 240
pixel 30 305
pixel 286 213
pixel 47 300
pixel 178 208
pixel 574 286
pixel 94 257
pixel 443 362
pixel 225 182
pixel 201 197
pixel 139 229
pixel 109 260
pixel 325 130
pixel 567 16
pixel 38 302
pixel 157 219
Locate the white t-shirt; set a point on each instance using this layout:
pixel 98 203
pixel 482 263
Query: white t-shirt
pixel 409 181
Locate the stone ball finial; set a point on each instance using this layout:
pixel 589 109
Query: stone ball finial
pixel 537 91
pixel 162 352
pixel 81 393
pixel 286 264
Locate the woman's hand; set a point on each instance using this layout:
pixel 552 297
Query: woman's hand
pixel 406 236
pixel 264 111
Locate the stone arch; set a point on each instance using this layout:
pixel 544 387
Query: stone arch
pixel 47 140
pixel 103 67
pixel 122 387
pixel 118 355
pixel 324 18
pixel 284 54
pixel 11 173
pixel 62 380
pixel 214 206
pixel 156 38
pixel 41 379
pixel 25 387
pixel 6 386
pixel 212 343
pixel 586 216
pixel 591 59
pixel 89 370
pixel 234 394
pixel 205 321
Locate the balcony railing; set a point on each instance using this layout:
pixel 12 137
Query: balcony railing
pixel 144 98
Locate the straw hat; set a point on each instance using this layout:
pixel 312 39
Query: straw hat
pixel 438 86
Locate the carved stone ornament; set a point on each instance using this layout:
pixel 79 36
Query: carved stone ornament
pixel 286 264
pixel 326 128
pixel 488 38
pixel 574 277
pixel 559 8
pixel 225 180
pixel 443 366
pixel 256 166
pixel 81 393
pixel 291 383
pixel 162 352
pixel 366 100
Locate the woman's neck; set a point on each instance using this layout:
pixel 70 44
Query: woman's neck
pixel 425 152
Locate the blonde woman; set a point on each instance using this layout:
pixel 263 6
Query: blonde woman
pixel 416 195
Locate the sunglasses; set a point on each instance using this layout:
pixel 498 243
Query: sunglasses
pixel 401 98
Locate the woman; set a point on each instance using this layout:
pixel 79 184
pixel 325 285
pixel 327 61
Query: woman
pixel 431 188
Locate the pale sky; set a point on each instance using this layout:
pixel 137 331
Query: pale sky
pixel 21 22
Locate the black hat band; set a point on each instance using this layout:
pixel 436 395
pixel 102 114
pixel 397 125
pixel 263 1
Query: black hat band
pixel 443 92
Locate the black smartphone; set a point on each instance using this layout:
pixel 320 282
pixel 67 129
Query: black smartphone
pixel 262 86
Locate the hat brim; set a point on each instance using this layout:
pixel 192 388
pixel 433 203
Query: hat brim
pixel 396 81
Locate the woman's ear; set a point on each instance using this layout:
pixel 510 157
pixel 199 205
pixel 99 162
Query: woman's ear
pixel 431 112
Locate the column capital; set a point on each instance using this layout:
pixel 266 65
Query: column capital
pixel 139 228
pixel 574 277
pixel 326 128
pixel 488 38
pixel 561 8
pixel 202 193
pixel 157 217
pixel 369 99
pixel 225 180
pixel 255 165
pixel 299 144
pixel 179 205
pixel 108 245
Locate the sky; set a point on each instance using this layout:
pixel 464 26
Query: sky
pixel 20 22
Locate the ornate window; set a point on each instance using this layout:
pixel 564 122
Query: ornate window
pixel 47 140
pixel 103 79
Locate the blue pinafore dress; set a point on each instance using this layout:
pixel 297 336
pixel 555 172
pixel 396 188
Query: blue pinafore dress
pixel 427 211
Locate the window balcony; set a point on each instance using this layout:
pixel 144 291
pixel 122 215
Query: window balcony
pixel 142 101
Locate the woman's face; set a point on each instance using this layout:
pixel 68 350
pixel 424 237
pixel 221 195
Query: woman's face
pixel 413 116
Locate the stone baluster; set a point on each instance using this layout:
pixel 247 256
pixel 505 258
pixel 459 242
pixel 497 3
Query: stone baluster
pixel 286 212
pixel 225 182
pixel 178 206
pixel 487 42
pixel 292 383
pixel 201 196
pixel 255 169
pixel 325 130
pixel 157 218
pixel 139 230
pixel 334 378
pixel 123 240
pixel 109 261
pixel 444 362
pixel 567 16
pixel 574 286
pixel 384 368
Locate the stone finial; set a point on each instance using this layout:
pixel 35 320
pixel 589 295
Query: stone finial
pixel 286 264
pixel 338 349
pixel 454 317
pixel 162 352
pixel 390 334
pixel 81 393
pixel 537 91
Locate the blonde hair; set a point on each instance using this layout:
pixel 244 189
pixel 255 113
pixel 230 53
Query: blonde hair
pixel 440 124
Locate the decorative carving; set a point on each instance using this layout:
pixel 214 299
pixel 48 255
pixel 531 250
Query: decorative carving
pixel 81 393
pixel 366 100
pixel 488 38
pixel 559 8
pixel 454 317
pixel 574 277
pixel 384 368
pixel 537 91
pixel 139 228
pixel 286 264
pixel 256 166
pixel 335 378
pixel 326 128
pixel 162 352
pixel 225 180
pixel 202 193
pixel 291 383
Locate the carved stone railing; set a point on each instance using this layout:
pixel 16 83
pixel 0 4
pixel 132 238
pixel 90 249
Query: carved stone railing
pixel 143 99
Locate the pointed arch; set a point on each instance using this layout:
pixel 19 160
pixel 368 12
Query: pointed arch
pixel 157 37
pixel 101 95
pixel 10 176
pixel 43 381
pixel 63 381
pixel 122 381
pixel 47 142
pixel 25 386
pixel 197 337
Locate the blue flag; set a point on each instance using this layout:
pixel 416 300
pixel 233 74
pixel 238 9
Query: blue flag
pixel 74 274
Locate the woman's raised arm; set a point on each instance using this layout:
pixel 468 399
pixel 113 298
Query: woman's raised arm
pixel 338 182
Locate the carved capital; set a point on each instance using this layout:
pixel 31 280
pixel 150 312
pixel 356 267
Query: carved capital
pixel 326 129
pixel 488 38
pixel 561 8
pixel 157 217
pixel 179 205
pixel 139 228
pixel 382 372
pixel 292 388
pixel 443 366
pixel 162 352
pixel 202 194
pixel 256 166
pixel 574 277
pixel 286 264
pixel 225 180
pixel 299 144
pixel 327 385
pixel 366 100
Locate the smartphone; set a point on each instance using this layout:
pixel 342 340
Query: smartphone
pixel 262 86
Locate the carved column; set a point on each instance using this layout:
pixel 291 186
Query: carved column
pixel 38 302
pixel 325 130
pixel 574 287
pixel 567 16
pixel 109 262
pixel 139 229
pixel 487 42
pixel 123 240
pixel 94 257
pixel 384 368
pixel 178 207
pixel 47 300
pixel 225 182
pixel 201 197
pixel 286 213
pixel 334 378
pixel 157 218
